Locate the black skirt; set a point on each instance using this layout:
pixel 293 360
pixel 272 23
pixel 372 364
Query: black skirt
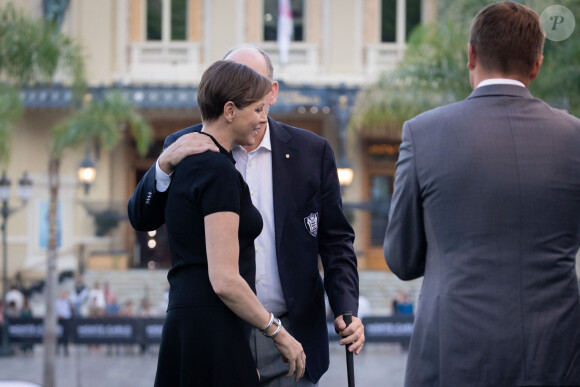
pixel 205 346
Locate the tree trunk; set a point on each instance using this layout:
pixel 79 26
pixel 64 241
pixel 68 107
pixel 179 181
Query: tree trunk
pixel 51 283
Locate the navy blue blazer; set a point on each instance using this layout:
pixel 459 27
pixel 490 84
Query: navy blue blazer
pixel 305 185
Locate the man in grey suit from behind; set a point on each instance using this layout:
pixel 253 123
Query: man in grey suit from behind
pixel 486 207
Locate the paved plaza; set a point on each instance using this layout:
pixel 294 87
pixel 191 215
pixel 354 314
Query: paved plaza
pixel 378 365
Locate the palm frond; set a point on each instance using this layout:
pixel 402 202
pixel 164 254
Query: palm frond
pixel 432 73
pixel 34 51
pixel 10 111
pixel 102 122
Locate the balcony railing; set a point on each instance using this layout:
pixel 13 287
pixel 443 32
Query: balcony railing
pixel 303 61
pixel 179 62
pixel 383 56
pixel 164 61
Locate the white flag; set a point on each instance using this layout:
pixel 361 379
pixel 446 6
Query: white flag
pixel 285 29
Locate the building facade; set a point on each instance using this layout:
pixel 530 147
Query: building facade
pixel 155 51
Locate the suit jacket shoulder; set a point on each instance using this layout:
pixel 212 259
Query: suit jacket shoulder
pixel 174 136
pixel 146 207
pixel 288 132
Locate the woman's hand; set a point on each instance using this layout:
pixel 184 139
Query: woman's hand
pixel 292 353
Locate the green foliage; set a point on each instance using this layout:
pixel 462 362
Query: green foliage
pixel 102 121
pixel 106 221
pixel 436 61
pixel 10 111
pixel 559 80
pixel 433 71
pixel 33 50
pixel 460 12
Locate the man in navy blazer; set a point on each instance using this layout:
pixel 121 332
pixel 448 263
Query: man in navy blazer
pixel 307 222
pixel 486 207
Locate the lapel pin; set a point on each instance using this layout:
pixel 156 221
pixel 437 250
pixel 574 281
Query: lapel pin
pixel 287 155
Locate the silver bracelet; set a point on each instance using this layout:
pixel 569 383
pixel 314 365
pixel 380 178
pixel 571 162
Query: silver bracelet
pixel 263 331
pixel 278 322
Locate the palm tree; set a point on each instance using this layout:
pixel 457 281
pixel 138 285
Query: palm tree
pixel 33 51
pixel 99 122
pixel 10 111
pixel 30 52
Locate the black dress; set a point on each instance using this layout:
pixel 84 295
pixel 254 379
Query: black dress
pixel 203 342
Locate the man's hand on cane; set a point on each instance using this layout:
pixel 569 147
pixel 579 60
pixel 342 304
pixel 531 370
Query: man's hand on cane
pixel 354 333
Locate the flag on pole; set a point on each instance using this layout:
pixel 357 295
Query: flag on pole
pixel 285 29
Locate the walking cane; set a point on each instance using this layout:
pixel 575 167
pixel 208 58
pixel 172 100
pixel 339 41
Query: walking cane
pixel 347 317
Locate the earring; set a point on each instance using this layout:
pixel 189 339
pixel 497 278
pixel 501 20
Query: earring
pixel 230 120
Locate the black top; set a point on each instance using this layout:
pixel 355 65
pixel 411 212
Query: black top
pixel 204 184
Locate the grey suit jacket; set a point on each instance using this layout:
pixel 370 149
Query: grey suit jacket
pixel 486 207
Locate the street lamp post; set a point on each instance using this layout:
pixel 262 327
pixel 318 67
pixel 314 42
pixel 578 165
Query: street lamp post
pixel 87 172
pixel 344 169
pixel 24 189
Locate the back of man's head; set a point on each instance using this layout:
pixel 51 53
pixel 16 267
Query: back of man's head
pixel 507 38
pixel 253 57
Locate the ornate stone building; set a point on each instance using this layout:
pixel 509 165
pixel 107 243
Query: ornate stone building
pixel 155 51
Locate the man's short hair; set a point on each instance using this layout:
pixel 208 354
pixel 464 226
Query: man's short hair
pixel 507 37
pixel 226 81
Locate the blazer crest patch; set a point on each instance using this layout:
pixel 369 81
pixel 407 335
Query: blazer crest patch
pixel 311 223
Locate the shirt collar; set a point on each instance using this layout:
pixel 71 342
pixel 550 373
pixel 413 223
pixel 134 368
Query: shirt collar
pixel 500 81
pixel 266 143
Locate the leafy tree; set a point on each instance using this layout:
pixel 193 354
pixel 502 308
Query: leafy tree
pixel 559 80
pixel 30 52
pixel 433 71
pixel 33 51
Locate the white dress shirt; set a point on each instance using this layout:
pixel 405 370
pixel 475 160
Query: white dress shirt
pixel 500 81
pixel 256 168
pixel 162 179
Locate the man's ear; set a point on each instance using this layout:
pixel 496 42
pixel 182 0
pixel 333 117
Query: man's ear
pixel 536 68
pixel 471 57
pixel 274 93
pixel 229 111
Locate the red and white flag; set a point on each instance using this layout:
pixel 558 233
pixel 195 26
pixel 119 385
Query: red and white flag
pixel 285 29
